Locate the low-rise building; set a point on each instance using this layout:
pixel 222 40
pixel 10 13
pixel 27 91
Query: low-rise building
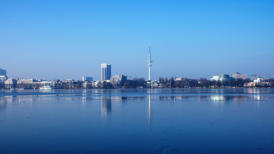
pixel 87 84
pixel 3 78
pixel 87 78
pixel 28 83
pixel 68 84
pixel 221 78
pixel 118 80
pixel 96 84
pixel 238 76
pixel 258 82
pixel 155 84
pixel 178 79
pixel 10 83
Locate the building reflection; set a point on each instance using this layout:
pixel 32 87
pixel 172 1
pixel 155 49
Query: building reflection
pixel 105 106
pixel 202 98
pixel 124 99
pixel 256 93
pixel 4 100
pixel 225 98
pixel 7 99
pixel 218 98
pixel 84 96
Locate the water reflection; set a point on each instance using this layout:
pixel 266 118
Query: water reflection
pixel 84 96
pixel 149 110
pixel 217 98
pixel 124 99
pixel 107 97
pixel 227 98
pixel 256 93
pixel 105 106
pixel 3 105
pixel 7 99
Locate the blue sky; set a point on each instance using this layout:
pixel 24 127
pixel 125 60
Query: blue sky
pixel 193 38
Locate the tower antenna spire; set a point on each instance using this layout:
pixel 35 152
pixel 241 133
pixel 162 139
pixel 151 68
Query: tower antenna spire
pixel 149 63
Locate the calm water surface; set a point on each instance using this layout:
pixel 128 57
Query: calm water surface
pixel 137 121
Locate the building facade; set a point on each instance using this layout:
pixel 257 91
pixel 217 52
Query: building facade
pixel 3 75
pixel 3 72
pixel 87 78
pixel 105 72
pixel 118 80
pixel 221 78
pixel 10 83
pixel 238 76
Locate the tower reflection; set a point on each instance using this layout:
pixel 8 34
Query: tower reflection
pixel 149 109
pixel 105 106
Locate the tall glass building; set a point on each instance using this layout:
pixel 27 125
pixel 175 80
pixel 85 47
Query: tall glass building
pixel 105 72
pixel 3 72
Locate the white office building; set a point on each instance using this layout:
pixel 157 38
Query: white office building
pixel 105 72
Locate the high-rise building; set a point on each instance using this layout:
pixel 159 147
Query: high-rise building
pixel 149 64
pixel 3 72
pixel 105 72
pixel 3 75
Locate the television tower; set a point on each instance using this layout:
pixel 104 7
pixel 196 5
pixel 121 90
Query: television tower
pixel 149 63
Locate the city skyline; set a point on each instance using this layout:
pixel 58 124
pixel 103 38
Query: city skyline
pixel 106 75
pixel 61 39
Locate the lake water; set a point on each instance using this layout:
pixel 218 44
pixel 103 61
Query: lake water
pixel 137 121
